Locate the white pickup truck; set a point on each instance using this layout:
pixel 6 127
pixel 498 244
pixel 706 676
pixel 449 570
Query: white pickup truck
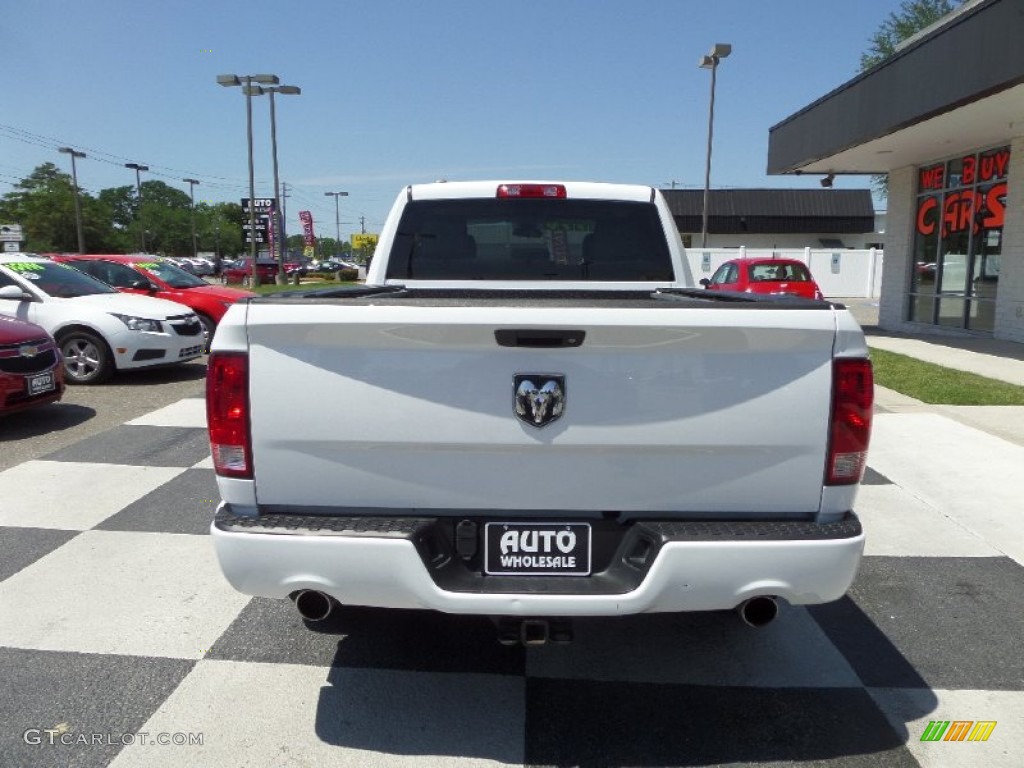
pixel 530 412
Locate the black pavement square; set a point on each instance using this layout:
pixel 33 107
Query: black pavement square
pixel 590 724
pixel 20 547
pixel 271 631
pixel 932 622
pixel 184 504
pixel 89 697
pixel 142 446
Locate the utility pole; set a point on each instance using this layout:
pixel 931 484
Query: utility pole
pixel 192 196
pixel 78 204
pixel 362 225
pixel 138 195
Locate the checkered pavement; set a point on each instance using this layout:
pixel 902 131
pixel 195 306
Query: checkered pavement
pixel 116 626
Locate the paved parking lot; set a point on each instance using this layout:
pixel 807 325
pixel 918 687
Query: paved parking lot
pixel 118 631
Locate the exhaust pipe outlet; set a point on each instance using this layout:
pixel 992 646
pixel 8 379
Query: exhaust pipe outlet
pixel 313 605
pixel 758 611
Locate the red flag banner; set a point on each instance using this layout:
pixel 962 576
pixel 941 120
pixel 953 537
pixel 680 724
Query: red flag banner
pixel 307 227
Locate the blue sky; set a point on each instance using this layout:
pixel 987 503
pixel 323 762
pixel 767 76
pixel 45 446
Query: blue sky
pixel 400 91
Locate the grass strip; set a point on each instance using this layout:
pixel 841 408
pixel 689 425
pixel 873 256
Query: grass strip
pixel 264 288
pixel 938 385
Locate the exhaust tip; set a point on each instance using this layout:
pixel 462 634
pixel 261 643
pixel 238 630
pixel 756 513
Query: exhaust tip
pixel 758 611
pixel 313 605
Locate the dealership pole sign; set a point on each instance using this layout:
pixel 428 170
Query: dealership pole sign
pixel 264 209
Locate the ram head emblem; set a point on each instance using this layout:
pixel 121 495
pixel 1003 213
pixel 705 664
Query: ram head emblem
pixel 540 398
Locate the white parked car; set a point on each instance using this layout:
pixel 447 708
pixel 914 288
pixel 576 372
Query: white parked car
pixel 99 330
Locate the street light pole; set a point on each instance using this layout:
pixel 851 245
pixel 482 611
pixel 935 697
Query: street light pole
pixel 78 204
pixel 719 52
pixel 232 80
pixel 337 216
pixel 138 195
pixel 191 193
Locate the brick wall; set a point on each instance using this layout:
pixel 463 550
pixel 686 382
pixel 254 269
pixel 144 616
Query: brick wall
pixel 899 249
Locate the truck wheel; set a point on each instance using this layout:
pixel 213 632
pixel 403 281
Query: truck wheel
pixel 87 359
pixel 209 326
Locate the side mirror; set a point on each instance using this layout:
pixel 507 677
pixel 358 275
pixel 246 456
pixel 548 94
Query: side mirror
pixel 143 285
pixel 14 292
pixel 705 282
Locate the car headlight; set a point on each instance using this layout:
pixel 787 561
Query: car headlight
pixel 140 323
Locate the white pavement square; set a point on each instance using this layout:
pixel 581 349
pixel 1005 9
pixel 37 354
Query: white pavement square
pixel 144 594
pixel 190 412
pixel 73 496
pixel 898 524
pixel 975 479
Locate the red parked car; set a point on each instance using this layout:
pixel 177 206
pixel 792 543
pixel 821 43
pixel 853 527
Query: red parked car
pixel 158 277
pixel 785 277
pixel 31 368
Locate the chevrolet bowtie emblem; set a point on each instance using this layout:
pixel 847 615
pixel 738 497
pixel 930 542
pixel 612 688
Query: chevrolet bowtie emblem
pixel 28 350
pixel 540 397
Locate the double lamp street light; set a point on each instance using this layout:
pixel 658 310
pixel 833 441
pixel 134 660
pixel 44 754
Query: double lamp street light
pixel 257 85
pixel 711 61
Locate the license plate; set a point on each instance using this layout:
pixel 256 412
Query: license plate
pixel 43 382
pixel 537 549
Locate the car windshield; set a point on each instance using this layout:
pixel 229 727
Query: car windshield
pixel 173 275
pixel 789 272
pixel 58 280
pixel 530 239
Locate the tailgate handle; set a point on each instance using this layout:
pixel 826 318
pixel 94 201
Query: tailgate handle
pixel 538 339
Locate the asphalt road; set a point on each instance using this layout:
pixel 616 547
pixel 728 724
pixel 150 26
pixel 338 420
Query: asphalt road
pixel 88 410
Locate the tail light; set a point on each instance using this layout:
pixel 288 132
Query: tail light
pixel 227 413
pixel 853 396
pixel 532 190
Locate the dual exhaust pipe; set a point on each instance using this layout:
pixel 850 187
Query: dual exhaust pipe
pixel 314 605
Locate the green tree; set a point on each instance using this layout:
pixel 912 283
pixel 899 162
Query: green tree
pixel 911 18
pixel 44 204
pixel 219 228
pixel 166 215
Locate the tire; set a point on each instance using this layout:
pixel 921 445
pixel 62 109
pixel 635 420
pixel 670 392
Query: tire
pixel 87 358
pixel 210 327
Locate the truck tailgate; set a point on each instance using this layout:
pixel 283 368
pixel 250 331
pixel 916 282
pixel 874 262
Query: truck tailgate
pixel 710 411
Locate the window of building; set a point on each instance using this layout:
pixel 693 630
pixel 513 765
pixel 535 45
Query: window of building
pixel 958 240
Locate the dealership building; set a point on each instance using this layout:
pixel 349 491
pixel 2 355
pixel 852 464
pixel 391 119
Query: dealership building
pixel 944 118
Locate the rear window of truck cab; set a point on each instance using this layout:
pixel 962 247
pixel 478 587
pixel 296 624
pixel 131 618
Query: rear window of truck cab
pixel 530 239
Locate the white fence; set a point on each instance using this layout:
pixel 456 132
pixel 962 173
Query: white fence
pixel 840 273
